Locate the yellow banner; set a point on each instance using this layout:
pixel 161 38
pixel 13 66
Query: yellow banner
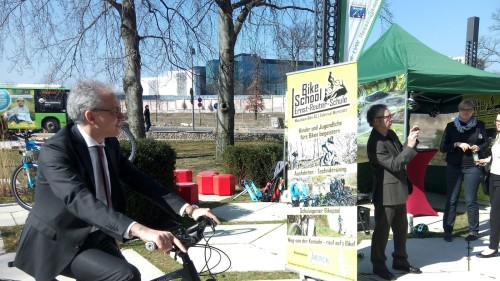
pixel 321 121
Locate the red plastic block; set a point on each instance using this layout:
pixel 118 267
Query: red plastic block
pixel 183 175
pixel 205 180
pixel 224 184
pixel 188 191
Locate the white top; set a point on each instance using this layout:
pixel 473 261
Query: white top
pixel 495 158
pixel 94 157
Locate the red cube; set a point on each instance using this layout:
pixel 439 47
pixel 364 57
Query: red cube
pixel 205 180
pixel 224 184
pixel 188 191
pixel 183 175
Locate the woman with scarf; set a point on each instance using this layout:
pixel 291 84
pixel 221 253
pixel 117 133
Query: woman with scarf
pixel 464 141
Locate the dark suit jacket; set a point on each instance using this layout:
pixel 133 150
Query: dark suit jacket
pixel 391 185
pixel 66 207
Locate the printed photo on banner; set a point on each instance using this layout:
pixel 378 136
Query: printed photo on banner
pixel 322 190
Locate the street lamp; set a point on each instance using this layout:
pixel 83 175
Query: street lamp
pixel 191 91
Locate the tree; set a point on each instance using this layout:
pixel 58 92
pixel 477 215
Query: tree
pixel 295 42
pixel 230 26
pixel 489 46
pixel 255 102
pixel 89 39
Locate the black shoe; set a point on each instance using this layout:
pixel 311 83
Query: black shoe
pixel 481 256
pixel 447 237
pixel 471 237
pixel 384 274
pixel 407 269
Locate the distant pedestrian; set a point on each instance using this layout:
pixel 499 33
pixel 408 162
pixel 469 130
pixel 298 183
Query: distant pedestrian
pixel 147 118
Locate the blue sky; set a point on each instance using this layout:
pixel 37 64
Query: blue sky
pixel 440 24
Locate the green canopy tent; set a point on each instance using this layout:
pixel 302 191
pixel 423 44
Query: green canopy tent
pixel 432 75
pixel 434 79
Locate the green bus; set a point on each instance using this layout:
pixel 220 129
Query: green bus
pixel 33 107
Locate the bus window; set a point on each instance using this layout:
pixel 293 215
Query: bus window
pixel 50 101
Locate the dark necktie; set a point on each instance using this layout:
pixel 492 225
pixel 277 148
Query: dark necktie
pixel 105 186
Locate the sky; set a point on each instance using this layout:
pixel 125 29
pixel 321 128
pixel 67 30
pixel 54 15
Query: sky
pixel 440 24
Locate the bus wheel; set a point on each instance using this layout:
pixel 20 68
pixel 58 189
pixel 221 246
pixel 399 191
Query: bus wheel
pixel 51 125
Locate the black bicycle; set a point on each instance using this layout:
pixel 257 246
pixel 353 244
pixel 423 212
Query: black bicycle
pixel 189 237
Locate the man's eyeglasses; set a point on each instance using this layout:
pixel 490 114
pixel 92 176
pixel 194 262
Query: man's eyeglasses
pixel 467 109
pixel 388 117
pixel 117 111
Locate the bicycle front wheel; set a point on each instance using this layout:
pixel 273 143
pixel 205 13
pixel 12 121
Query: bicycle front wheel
pixel 22 190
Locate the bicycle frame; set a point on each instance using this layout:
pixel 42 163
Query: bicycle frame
pixel 23 180
pixel 30 167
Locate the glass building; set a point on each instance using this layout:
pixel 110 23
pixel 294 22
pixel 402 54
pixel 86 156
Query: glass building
pixel 247 67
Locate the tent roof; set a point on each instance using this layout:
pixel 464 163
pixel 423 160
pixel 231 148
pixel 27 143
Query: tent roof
pixel 398 52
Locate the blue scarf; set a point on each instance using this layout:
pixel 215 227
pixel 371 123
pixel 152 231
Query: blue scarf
pixel 471 124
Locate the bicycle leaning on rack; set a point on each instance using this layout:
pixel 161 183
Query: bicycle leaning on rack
pixel 190 237
pixel 23 180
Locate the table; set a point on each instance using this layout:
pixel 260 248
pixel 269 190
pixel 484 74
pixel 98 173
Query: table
pixel 417 203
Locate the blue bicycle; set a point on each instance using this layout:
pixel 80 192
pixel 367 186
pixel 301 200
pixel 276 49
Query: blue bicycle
pixel 23 180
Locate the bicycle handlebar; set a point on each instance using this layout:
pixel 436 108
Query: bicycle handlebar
pixel 188 236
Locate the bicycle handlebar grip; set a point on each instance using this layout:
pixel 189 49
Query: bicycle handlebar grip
pixel 150 246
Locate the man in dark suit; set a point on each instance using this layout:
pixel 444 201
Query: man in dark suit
pixel 391 187
pixel 79 207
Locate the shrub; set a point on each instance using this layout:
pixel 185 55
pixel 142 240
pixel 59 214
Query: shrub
pixel 252 161
pixel 157 159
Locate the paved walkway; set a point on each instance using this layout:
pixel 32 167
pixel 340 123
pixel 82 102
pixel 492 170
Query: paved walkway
pixel 243 242
pixel 438 260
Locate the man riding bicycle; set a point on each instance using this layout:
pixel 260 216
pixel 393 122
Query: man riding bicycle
pixel 79 212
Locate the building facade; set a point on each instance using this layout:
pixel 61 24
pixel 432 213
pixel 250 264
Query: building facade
pixel 272 74
pixel 203 79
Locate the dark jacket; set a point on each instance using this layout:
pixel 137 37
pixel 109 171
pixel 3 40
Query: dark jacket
pixel 391 185
pixel 66 207
pixel 455 155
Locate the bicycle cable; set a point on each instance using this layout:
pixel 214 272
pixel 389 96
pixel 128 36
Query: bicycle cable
pixel 211 250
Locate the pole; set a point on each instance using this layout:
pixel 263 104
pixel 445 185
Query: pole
pixel 192 84
pixel 192 107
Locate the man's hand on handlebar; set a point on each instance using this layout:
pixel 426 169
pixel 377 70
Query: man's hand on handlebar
pixel 195 213
pixel 188 237
pixel 164 240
